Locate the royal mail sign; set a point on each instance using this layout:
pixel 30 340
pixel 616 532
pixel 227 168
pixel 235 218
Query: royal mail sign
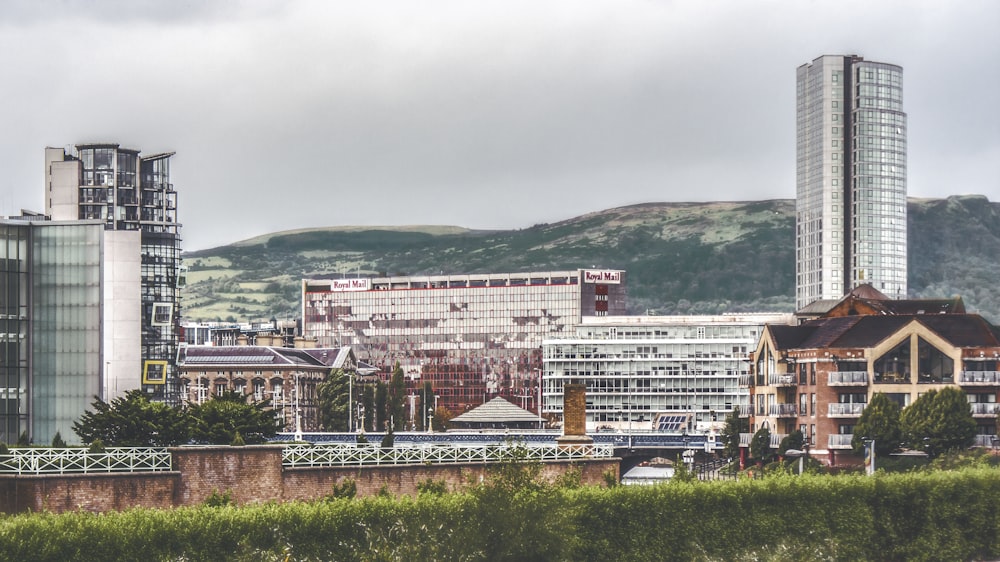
pixel 602 276
pixel 350 284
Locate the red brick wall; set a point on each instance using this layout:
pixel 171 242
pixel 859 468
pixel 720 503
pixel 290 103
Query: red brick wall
pixel 250 474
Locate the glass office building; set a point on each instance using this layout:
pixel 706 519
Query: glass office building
pixel 54 309
pixel 473 337
pixel 130 192
pixel 850 178
pixel 669 373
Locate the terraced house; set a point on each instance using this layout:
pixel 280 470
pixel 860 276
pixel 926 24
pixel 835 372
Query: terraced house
pixel 818 376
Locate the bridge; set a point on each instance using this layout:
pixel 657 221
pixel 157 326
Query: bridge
pixel 632 447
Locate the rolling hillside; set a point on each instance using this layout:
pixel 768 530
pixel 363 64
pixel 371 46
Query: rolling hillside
pixel 682 258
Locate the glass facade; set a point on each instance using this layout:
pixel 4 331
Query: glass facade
pixel 850 178
pixel 638 368
pixel 472 337
pixel 14 308
pixel 65 326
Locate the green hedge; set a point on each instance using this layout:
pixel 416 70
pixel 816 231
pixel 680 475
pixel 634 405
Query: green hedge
pixel 948 515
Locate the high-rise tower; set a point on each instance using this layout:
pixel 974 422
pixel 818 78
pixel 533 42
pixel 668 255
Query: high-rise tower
pixel 130 192
pixel 850 215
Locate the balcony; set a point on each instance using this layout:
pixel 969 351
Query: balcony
pixel 979 378
pixel 847 378
pixel 991 441
pixel 837 410
pixel 744 381
pixel 782 410
pixel 984 409
pixel 837 441
pixel 776 438
pixel 781 380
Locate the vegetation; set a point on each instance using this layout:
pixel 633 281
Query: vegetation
pixel 332 396
pixel 228 416
pixel 941 515
pixel 134 421
pixel 682 258
pixel 730 435
pixel 879 422
pixel 938 421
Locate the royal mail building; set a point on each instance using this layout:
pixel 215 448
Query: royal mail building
pixel 473 337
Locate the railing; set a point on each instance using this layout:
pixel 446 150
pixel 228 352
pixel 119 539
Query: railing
pixel 991 441
pixel 781 380
pixel 843 378
pixel 746 438
pixel 304 455
pixel 839 441
pixel 78 460
pixel 845 410
pixel 782 410
pixel 986 378
pixel 744 381
pixel 983 408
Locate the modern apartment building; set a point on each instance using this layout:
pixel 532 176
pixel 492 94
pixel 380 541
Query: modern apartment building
pixel 850 179
pixel 129 192
pixel 69 322
pixel 817 377
pixel 669 373
pixel 473 337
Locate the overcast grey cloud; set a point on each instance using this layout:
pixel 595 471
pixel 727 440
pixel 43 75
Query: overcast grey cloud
pixel 482 114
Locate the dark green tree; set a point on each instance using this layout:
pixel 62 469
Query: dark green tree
pixel 760 446
pixel 880 421
pixel 381 406
pixel 426 405
pixel 397 399
pixel 368 401
pixel 735 425
pixel 939 421
pixel 793 440
pixel 133 421
pixel 332 397
pixel 219 420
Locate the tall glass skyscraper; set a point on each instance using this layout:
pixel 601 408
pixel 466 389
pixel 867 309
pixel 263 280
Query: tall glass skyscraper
pixel 850 178
pixel 130 192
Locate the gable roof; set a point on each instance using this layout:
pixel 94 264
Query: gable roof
pixel 259 355
pixel 497 410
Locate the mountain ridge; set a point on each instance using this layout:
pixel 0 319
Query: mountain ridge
pixel 682 258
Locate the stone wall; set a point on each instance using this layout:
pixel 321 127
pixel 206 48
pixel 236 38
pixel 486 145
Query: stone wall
pixel 251 474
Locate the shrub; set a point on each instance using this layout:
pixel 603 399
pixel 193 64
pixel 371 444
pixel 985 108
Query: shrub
pixel 345 489
pixel 432 487
pixel 219 499
pixel 58 442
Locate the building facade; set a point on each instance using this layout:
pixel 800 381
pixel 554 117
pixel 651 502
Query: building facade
pixel 129 192
pixel 850 178
pixel 817 377
pixel 69 307
pixel 668 373
pixel 473 337
pixel 285 377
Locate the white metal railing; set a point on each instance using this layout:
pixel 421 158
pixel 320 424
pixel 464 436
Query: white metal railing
pixel 845 410
pixel 983 408
pixel 781 379
pixel 979 377
pixel 745 439
pixel 847 377
pixel 839 441
pixel 782 410
pixel 79 460
pixel 775 442
pixel 349 454
pixel 987 441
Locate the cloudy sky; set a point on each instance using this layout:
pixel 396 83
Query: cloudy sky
pixel 485 114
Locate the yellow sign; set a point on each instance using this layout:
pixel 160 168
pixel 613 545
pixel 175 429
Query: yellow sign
pixel 154 372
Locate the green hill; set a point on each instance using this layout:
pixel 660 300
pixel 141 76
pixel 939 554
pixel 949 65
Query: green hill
pixel 682 258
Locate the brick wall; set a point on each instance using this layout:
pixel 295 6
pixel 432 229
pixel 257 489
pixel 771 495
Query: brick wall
pixel 251 474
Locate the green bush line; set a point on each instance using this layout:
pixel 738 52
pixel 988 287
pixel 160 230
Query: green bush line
pixel 946 515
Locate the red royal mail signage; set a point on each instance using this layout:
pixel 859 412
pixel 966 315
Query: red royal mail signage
pixel 602 276
pixel 350 284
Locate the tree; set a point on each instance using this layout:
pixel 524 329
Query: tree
pixel 880 421
pixel 793 440
pixel 735 425
pixel 219 420
pixel 381 406
pixel 397 398
pixel 442 419
pixel 368 401
pixel 133 421
pixel 760 445
pixel 426 405
pixel 332 396
pixel 939 421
